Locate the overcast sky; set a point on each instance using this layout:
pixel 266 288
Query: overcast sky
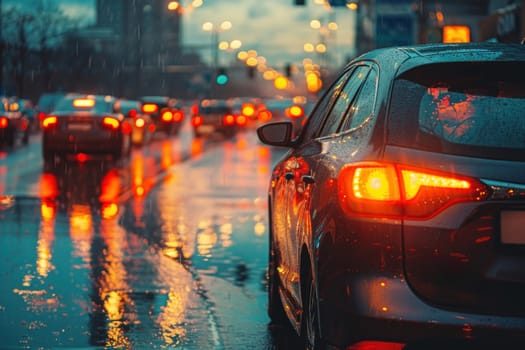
pixel 275 28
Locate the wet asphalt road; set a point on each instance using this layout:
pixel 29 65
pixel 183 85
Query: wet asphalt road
pixel 168 250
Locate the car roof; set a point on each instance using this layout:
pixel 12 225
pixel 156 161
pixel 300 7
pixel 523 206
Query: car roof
pixel 404 58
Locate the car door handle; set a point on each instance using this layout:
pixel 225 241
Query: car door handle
pixel 308 179
pixel 289 176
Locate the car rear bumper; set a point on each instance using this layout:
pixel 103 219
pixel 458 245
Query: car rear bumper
pixel 385 308
pixel 92 146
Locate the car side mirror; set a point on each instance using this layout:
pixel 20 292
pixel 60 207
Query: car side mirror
pixel 276 134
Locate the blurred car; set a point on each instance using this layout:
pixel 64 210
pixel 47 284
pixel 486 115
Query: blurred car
pixel 398 213
pixel 215 116
pixel 86 126
pixel 14 126
pixel 143 127
pixel 165 112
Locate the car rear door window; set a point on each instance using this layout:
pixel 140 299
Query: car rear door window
pixel 344 100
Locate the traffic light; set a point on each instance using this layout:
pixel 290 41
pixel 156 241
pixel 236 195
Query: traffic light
pixel 222 77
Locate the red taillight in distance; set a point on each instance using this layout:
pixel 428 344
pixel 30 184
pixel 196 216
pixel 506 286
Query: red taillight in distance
pixel 228 119
pixel 140 122
pixel 4 122
pixel 295 111
pixel 241 120
pixel 110 123
pixel 167 116
pixel 178 116
pixel 396 191
pixel 49 122
pixel 196 120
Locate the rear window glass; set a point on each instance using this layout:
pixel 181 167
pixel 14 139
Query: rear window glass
pixel 100 104
pixel 472 110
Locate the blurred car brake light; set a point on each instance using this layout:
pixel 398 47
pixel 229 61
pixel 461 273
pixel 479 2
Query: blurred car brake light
pixel 265 115
pixel 127 128
pixel 248 110
pixel 132 113
pixel 295 111
pixel 4 122
pixel 111 123
pixel 167 116
pixel 83 103
pixel 49 121
pixel 139 122
pixel 196 120
pixel 229 119
pixel 241 120
pixel 390 190
pixel 178 116
pixel 150 108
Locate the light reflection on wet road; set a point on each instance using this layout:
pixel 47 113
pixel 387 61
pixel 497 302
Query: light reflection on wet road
pixel 132 263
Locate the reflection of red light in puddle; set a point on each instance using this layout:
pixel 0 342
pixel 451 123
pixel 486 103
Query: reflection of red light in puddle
pixel 48 186
pixel 82 157
pixel 139 191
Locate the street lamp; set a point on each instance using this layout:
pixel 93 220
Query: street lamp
pixel 215 30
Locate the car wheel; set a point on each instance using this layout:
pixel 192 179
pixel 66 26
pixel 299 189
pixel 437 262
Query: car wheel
pixel 310 337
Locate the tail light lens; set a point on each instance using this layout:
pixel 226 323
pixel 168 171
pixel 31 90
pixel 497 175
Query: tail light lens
pixel 150 108
pixel 389 190
pixel 241 120
pixel 132 113
pixel 178 116
pixel 196 120
pixel 4 122
pixel 127 128
pixel 41 116
pixel 228 120
pixel 265 115
pixel 167 116
pixel 110 123
pixel 49 122
pixel 248 110
pixel 140 123
pixel 295 111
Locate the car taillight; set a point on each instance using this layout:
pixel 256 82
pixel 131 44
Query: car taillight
pixel 139 122
pixel 228 119
pixel 265 115
pixel 389 190
pixel 4 122
pixel 41 116
pixel 248 110
pixel 294 111
pixel 178 116
pixel 196 120
pixel 149 108
pixel 127 128
pixel 167 116
pixel 49 122
pixel 241 120
pixel 111 123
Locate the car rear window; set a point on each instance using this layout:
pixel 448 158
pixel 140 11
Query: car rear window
pixel 465 109
pixel 100 105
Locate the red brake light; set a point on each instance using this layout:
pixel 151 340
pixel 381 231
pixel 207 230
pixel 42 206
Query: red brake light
pixel 4 122
pixel 178 116
pixel 49 122
pixel 248 110
pixel 167 116
pixel 196 120
pixel 111 123
pixel 132 113
pixel 390 190
pixel 139 122
pixel 150 108
pixel 127 128
pixel 229 119
pixel 265 115
pixel 295 111
pixel 241 120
